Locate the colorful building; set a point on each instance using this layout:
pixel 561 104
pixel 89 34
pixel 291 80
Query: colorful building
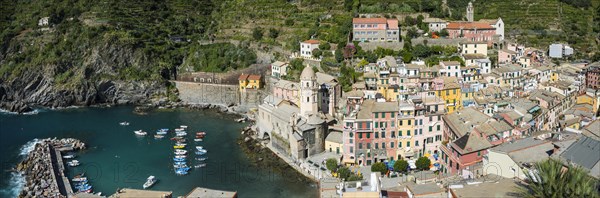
pixel 472 31
pixel 375 29
pixel 451 93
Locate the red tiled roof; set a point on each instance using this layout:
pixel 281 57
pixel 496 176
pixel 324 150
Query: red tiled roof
pixel 369 20
pixel 312 41
pixel 254 77
pixel 243 77
pixel 468 25
pixel 392 24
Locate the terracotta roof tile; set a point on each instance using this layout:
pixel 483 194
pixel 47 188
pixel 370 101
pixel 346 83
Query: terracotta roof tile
pixel 312 41
pixel 392 24
pixel 369 20
pixel 243 77
pixel 469 25
pixel 254 77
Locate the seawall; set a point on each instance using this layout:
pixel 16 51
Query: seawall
pixel 44 169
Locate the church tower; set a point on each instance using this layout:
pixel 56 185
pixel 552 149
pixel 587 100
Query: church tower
pixel 470 12
pixel 308 92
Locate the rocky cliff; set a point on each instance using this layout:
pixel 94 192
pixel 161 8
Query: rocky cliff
pixel 96 81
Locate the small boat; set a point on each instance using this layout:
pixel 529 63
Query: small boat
pixel 199 147
pixel 164 129
pixel 201 158
pixel 79 179
pixel 69 156
pixel 140 132
pixel 179 163
pixel 201 133
pixel 179 159
pixel 99 194
pixel 178 147
pixel 180 156
pixel 181 141
pixel 176 138
pixel 202 150
pixel 149 182
pixel 180 152
pixel 183 126
pixel 181 172
pixel 161 132
pixel 198 140
pixel 124 123
pixel 73 163
pixel 180 134
pixel 180 166
pixel 200 165
pixel 180 144
pixel 159 136
pixel 200 153
pixel 179 130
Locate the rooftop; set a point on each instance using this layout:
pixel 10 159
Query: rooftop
pixel 369 20
pixel 334 137
pixel 206 193
pixel 425 190
pixel 593 130
pixel 469 25
pixel 500 187
pixel 135 193
pixel 312 41
pixel 584 152
pixel 463 121
pixel 471 142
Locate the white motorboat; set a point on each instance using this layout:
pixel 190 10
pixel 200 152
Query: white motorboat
pixel 70 156
pixel 180 152
pixel 179 130
pixel 183 126
pixel 73 163
pixel 140 133
pixel 200 165
pixel 180 144
pixel 124 123
pixel 180 156
pixel 199 147
pixel 149 182
pixel 180 134
pixel 79 179
pixel 198 140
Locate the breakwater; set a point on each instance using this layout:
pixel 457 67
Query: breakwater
pixel 44 169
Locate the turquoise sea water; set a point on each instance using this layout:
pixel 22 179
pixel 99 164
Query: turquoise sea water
pixel 116 158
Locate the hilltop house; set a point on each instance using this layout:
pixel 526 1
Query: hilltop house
pixel 307 47
pixel 249 81
pixel 375 29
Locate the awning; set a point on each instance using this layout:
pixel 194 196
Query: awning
pixel 534 109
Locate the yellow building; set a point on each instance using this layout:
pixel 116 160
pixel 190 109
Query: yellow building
pixel 249 81
pixel 406 130
pixel 451 94
pixel 554 76
pixel 586 99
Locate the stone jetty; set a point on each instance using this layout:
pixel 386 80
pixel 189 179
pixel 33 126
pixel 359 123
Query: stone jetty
pixel 43 168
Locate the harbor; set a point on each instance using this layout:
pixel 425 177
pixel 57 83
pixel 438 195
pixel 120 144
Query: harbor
pixel 116 158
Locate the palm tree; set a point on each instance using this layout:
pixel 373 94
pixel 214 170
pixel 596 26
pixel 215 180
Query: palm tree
pixel 551 179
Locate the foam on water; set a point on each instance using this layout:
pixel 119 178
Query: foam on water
pixel 28 147
pixel 15 185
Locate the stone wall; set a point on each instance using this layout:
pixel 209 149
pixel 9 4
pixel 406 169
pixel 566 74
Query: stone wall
pixel 399 45
pixel 204 93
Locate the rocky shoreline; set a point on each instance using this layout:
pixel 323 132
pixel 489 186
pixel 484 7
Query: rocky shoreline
pixel 261 156
pixel 40 176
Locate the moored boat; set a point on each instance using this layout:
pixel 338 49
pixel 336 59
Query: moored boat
pixel 179 159
pixel 183 126
pixel 180 144
pixel 159 136
pixel 140 132
pixel 69 156
pixel 201 158
pixel 180 152
pixel 198 140
pixel 200 165
pixel 124 123
pixel 161 132
pixel 79 179
pixel 199 147
pixel 73 163
pixel 178 147
pixel 149 182
pixel 200 152
pixel 201 133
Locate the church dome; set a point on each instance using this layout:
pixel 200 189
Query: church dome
pixel 307 73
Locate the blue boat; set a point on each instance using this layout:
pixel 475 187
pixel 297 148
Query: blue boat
pixel 179 159
pixel 181 172
pixel 179 163
pixel 200 152
pixel 183 169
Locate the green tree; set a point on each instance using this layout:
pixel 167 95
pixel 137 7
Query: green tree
pixel 407 57
pixel 423 163
pixel 273 33
pixel 317 53
pixel 444 33
pixel 331 164
pixel 412 32
pixel 409 21
pixel 344 172
pixel 549 180
pixel 324 46
pixel 401 166
pixel 379 167
pixel 257 33
pixel 339 55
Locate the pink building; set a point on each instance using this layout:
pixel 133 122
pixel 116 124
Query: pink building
pixel 375 29
pixel 506 56
pixel 428 125
pixel 286 90
pixel 472 31
pixel 465 155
